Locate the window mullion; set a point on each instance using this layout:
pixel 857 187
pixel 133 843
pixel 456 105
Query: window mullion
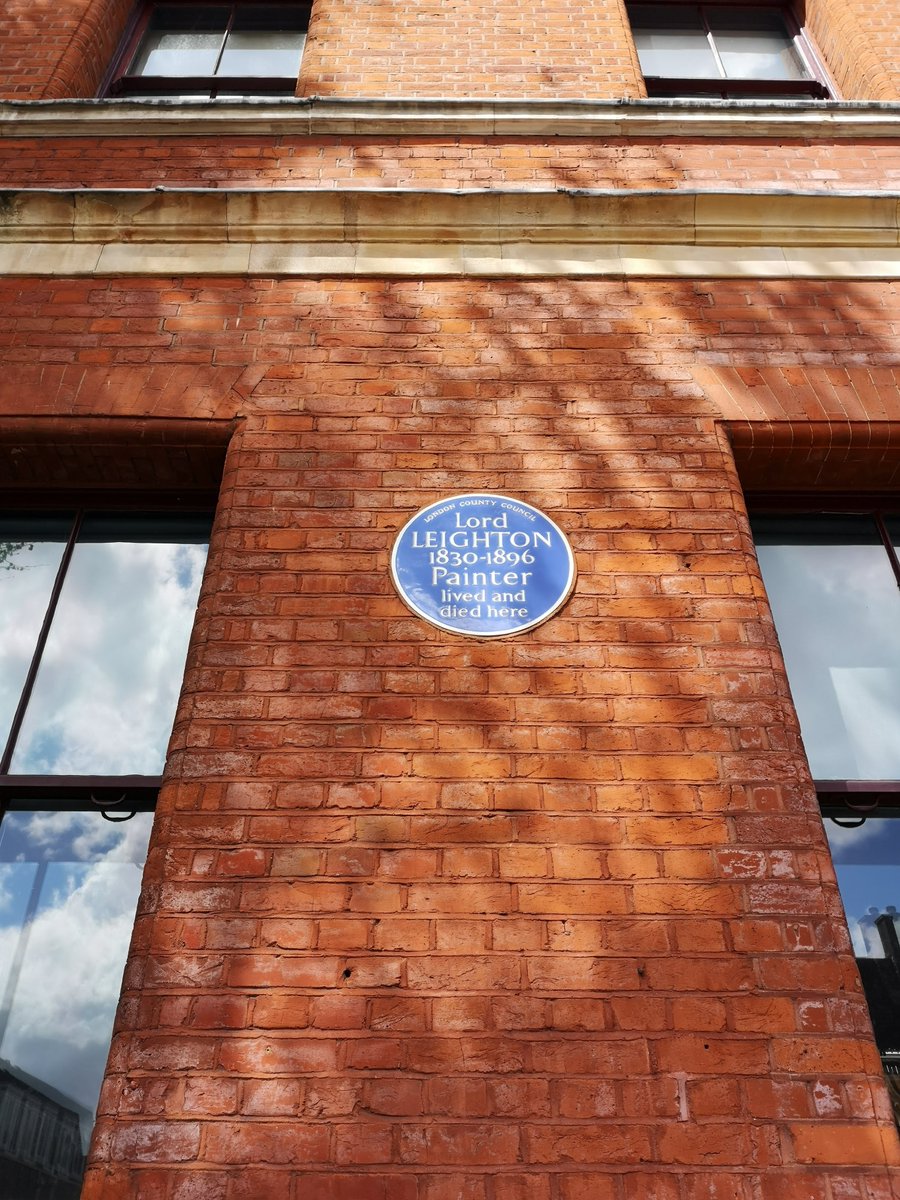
pixel 225 36
pixel 712 44
pixel 888 545
pixel 28 685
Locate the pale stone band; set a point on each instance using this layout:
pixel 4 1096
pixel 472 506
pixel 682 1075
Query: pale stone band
pixel 409 117
pixel 287 232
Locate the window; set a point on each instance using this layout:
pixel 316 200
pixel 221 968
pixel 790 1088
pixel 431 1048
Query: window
pixel 717 50
pixel 96 609
pixel 209 50
pixel 834 586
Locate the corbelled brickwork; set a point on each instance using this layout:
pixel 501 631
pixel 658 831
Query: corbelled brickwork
pixel 430 918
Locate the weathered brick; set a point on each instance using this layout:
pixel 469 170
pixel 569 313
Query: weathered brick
pixel 435 919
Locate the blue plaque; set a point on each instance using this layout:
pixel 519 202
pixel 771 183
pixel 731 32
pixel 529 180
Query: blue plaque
pixel 483 565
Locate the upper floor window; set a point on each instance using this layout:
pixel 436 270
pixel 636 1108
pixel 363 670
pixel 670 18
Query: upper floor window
pixel 213 50
pixel 725 51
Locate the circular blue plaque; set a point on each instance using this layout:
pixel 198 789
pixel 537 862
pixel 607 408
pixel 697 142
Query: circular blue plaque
pixel 483 565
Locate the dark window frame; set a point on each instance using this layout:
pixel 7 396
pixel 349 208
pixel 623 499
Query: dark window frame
pixel 117 83
pixel 156 469
pixel 850 802
pixel 817 87
pixel 847 798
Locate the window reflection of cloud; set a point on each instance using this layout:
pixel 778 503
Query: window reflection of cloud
pixel 26 578
pixel 70 981
pixel 843 840
pixel 6 888
pixel 76 952
pixel 112 668
pixel 81 837
pixel 869 700
pixel 835 606
pixel 865 860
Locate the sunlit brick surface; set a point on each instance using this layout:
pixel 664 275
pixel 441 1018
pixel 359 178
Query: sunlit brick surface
pixel 482 48
pixel 426 918
pixel 550 916
pixel 471 162
pixel 57 48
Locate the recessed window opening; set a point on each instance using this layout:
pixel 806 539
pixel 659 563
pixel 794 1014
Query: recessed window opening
pixel 833 582
pixel 834 586
pixel 96 609
pixel 214 50
pixel 733 52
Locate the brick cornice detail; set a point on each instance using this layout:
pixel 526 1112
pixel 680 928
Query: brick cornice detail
pixel 438 233
pixel 395 117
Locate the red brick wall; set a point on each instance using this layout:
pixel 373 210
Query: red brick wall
pixel 482 48
pixel 858 42
pixel 50 49
pixel 451 162
pixel 54 48
pixel 57 48
pixel 427 918
pixel 547 918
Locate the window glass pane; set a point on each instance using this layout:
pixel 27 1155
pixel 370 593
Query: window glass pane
pixel 109 679
pixel 69 886
pixel 866 863
pixel 181 40
pixel 165 53
pixel 671 41
pixel 262 53
pixel 754 44
pixel 837 610
pixel 30 553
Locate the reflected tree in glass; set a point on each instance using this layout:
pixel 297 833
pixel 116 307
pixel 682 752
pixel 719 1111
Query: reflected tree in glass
pixel 31 549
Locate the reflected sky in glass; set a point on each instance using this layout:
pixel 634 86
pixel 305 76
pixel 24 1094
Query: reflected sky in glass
pixel 262 41
pixel 111 672
pixel 672 41
pixel 867 863
pixel 754 44
pixel 262 53
pixel 178 53
pixel 30 553
pixel 60 972
pixel 837 610
pixel 747 55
